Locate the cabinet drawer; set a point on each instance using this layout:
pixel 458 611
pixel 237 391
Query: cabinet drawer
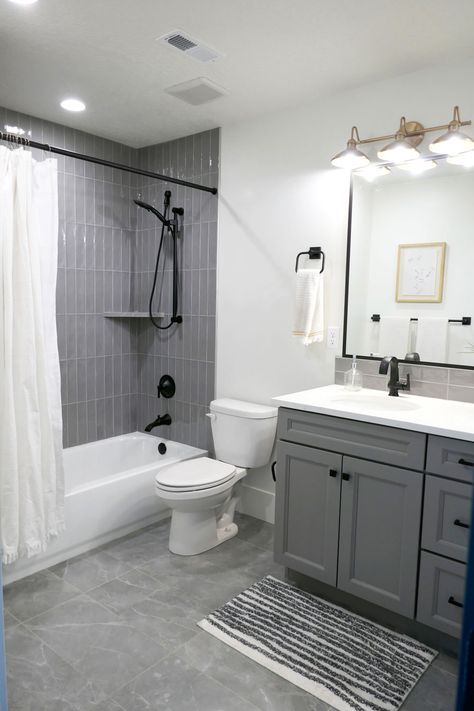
pixel 446 517
pixel 440 587
pixel 389 445
pixel 446 456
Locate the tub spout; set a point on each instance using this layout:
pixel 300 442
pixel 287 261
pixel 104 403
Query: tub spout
pixel 160 420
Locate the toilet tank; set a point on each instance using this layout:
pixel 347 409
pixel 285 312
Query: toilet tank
pixel 243 432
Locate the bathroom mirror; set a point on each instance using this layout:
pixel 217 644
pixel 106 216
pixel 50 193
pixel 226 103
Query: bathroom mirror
pixel 410 253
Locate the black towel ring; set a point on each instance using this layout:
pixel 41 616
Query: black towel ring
pixel 313 253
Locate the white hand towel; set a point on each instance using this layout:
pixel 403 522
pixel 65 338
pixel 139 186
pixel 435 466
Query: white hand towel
pixel 393 336
pixel 432 339
pixel 309 307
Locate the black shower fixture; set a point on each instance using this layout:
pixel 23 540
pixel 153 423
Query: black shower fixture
pixel 171 227
pixel 166 387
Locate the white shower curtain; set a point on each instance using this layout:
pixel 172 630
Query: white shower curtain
pixel 31 469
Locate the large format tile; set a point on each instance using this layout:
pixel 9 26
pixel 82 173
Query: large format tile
pixel 252 530
pixel 174 685
pixel 138 548
pixel 153 618
pixel 125 591
pixel 35 594
pixel 89 570
pixel 245 677
pixel 39 680
pixel 9 620
pixel 97 643
pixel 436 691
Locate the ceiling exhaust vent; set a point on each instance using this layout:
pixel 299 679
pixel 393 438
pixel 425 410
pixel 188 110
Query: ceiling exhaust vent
pixel 189 46
pixel 197 91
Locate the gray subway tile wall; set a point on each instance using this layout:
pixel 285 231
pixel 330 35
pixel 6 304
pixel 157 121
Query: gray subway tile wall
pixel 429 381
pixel 110 367
pixel 186 352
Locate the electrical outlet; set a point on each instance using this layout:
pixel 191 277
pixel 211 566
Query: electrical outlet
pixel 333 337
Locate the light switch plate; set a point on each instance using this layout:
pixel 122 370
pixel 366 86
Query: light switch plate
pixel 333 337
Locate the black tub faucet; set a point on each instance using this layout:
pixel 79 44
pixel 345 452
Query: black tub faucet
pixel 160 420
pixel 394 383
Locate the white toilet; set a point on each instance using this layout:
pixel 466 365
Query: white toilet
pixel 200 491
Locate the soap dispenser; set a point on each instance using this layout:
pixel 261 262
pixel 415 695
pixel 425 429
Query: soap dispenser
pixel 353 377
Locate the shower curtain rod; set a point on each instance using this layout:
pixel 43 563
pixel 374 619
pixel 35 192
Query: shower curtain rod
pixel 21 141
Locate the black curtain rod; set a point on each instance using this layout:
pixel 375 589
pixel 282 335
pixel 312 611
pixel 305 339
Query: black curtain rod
pixel 21 141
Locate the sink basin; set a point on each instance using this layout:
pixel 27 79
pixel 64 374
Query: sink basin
pixel 376 403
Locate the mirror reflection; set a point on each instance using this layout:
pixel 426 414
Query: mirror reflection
pixel 410 283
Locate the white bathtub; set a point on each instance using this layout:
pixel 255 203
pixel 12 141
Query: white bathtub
pixel 110 492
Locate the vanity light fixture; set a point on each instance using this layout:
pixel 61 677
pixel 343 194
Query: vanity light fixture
pixel 402 148
pixel 73 105
pixel 351 158
pixel 453 141
pixel 373 171
pixel 418 166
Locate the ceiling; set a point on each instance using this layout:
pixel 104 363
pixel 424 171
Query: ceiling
pixel 278 53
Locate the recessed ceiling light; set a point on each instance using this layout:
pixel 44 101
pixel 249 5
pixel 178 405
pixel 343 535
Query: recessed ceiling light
pixel 24 2
pixel 73 105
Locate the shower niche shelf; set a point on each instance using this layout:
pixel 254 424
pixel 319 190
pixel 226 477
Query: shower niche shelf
pixel 132 314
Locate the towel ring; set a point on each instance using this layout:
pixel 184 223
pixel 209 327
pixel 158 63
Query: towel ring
pixel 313 253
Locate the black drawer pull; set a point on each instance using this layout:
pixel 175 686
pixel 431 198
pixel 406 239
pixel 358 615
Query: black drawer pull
pixel 452 601
pixel 466 463
pixel 333 472
pixel 459 523
pixel 273 471
pixel 346 476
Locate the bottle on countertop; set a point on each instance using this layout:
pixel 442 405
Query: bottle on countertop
pixel 353 377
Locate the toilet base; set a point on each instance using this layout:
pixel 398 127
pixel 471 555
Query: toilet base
pixel 192 533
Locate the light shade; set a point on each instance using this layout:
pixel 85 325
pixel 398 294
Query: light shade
pixel 373 171
pixel 466 159
pixel 351 158
pixel 416 167
pixel 73 104
pixel 452 143
pixel 398 151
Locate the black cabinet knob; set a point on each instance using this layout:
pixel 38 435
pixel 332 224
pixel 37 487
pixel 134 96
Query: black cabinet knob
pixel 454 602
pixel 273 471
pixel 333 472
pixel 346 476
pixel 466 462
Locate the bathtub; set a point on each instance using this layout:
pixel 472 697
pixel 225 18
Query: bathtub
pixel 109 492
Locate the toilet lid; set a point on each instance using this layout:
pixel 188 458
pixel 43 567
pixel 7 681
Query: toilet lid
pixel 193 474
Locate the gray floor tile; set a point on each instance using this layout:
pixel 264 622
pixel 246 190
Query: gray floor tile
pixel 436 691
pixel 35 594
pixel 252 530
pixel 173 685
pixel 39 680
pixel 447 662
pixel 110 705
pixel 125 591
pixel 246 678
pixel 9 620
pixel 97 643
pixel 90 570
pixel 138 548
pixel 170 568
pixel 152 618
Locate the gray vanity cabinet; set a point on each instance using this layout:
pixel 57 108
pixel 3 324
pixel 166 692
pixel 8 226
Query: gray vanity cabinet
pixel 308 492
pixel 379 534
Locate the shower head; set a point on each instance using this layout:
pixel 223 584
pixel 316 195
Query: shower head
pixel 152 209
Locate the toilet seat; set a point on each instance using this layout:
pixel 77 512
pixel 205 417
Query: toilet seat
pixel 198 474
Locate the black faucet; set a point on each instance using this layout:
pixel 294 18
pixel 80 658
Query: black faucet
pixel 160 420
pixel 394 384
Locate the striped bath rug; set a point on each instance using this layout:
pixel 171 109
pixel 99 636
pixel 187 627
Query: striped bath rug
pixel 341 658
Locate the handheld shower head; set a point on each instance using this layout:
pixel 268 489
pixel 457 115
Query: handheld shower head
pixel 153 210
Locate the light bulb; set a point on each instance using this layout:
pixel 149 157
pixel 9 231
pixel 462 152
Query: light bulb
pixel 350 158
pixel 452 143
pixel 73 105
pixel 398 151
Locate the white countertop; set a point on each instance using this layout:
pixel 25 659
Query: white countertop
pixel 447 418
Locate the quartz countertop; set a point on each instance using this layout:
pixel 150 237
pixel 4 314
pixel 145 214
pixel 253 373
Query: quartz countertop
pixel 447 418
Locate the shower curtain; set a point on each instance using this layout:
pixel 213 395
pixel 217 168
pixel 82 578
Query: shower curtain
pixel 31 469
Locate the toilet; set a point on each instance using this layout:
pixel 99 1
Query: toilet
pixel 201 492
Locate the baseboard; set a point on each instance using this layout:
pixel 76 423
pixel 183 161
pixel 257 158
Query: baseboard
pixel 257 502
pixel 29 566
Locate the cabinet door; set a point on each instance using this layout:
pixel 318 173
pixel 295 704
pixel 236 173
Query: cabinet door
pixel 307 510
pixel 379 534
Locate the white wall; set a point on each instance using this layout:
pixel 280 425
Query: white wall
pixel 280 195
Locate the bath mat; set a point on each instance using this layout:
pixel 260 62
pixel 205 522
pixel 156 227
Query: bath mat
pixel 341 658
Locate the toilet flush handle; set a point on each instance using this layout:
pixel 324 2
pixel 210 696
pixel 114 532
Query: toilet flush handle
pixel 211 415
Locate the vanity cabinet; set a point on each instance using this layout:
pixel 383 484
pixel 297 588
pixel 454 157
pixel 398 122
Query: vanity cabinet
pixel 376 511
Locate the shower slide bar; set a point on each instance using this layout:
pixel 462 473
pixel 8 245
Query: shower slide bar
pixel 22 141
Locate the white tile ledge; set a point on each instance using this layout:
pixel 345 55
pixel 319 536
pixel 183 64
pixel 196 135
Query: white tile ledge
pixel 447 418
